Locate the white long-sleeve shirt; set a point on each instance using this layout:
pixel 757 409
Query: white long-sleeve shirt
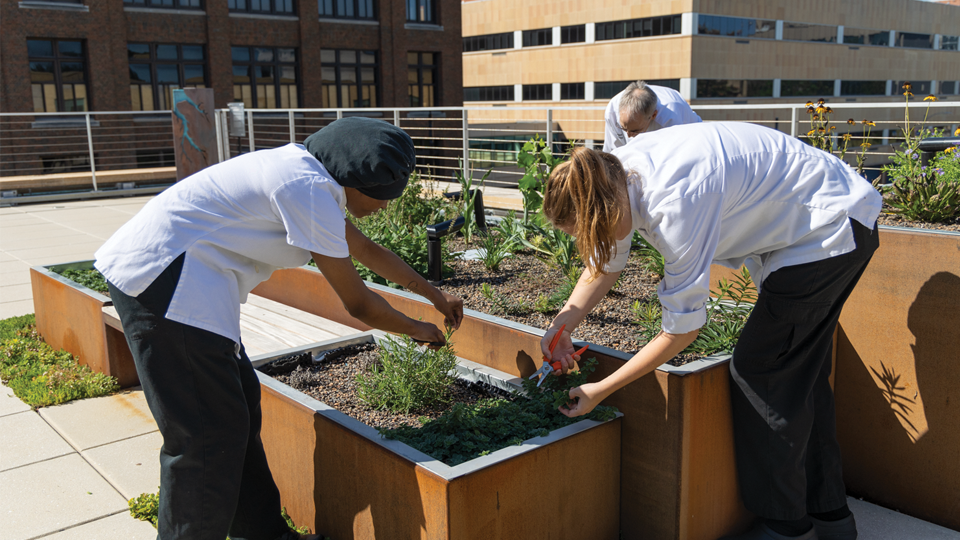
pixel 733 194
pixel 237 222
pixel 672 110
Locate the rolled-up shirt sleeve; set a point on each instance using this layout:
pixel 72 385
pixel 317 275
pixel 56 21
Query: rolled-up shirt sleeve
pixel 312 217
pixel 687 238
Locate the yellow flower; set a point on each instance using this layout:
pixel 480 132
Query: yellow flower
pixel 820 101
pixel 851 121
pixel 820 131
pixel 868 123
pixel 956 133
pixel 951 149
pixel 907 86
pixel 809 110
pixel 829 110
pixel 821 110
pixel 931 97
pixel 846 136
pixel 811 132
pixel 809 104
pixel 833 128
pixel 908 93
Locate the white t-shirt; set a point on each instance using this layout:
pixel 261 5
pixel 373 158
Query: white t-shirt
pixel 237 222
pixel 672 110
pixel 736 194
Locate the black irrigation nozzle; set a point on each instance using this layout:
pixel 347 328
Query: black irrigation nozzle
pixel 435 248
pixel 478 210
pixel 931 145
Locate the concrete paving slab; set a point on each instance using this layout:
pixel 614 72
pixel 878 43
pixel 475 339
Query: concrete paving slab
pixel 17 219
pixel 15 278
pixel 15 293
pixel 878 523
pixel 28 439
pixel 13 266
pixel 5 257
pixel 9 403
pixel 132 466
pixel 121 525
pixel 62 237
pixel 85 244
pixel 47 497
pixel 15 309
pixel 89 423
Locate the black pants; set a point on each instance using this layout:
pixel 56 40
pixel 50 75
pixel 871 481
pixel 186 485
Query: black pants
pixel 205 397
pixel 788 458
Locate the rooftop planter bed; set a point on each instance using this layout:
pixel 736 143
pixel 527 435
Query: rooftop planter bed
pixel 70 317
pixel 342 476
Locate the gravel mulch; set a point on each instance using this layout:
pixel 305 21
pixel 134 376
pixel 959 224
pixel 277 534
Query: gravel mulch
pixel 333 381
pixel 893 220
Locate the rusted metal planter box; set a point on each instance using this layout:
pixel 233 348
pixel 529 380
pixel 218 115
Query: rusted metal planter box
pixel 70 317
pixel 341 475
pixel 677 470
pixel 898 377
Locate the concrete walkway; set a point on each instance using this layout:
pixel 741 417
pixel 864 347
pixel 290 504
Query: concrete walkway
pixel 66 472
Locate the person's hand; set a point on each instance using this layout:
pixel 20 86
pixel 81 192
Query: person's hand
pixel 563 352
pixel 452 308
pixel 429 333
pixel 584 399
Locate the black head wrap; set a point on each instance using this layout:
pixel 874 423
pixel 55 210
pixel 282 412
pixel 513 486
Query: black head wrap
pixel 372 156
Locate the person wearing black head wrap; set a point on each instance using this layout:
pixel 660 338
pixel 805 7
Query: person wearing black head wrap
pixel 179 270
pixel 371 156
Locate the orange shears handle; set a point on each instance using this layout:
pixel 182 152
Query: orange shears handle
pixel 556 365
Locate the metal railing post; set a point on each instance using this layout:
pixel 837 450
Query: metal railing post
pixel 550 129
pixel 93 164
pixel 218 125
pixel 396 117
pixel 293 134
pixel 794 121
pixel 339 114
pixel 466 143
pixel 250 130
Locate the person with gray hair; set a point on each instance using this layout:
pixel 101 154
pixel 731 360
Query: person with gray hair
pixel 643 107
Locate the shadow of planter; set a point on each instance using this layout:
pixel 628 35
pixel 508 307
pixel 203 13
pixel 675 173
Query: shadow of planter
pixel 70 317
pixel 898 401
pixel 677 471
pixel 341 475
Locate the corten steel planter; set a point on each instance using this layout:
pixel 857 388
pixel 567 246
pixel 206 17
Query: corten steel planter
pixel 677 471
pixel 898 377
pixel 70 317
pixel 342 476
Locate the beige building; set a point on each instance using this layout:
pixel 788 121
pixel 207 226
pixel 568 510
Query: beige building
pixel 582 52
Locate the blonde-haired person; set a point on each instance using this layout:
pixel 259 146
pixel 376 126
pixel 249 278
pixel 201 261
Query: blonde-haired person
pixel 802 222
pixel 641 108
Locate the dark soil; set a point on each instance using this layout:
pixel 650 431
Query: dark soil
pixel 893 220
pixel 332 380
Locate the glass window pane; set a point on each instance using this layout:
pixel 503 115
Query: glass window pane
pixel 348 76
pixel 166 52
pixel 341 7
pixel 413 58
pixel 428 58
pixel 294 100
pixel 288 74
pixel 427 76
pixel 41 72
pixel 72 49
pixel 367 75
pixel 167 74
pixel 368 57
pixel 326 8
pixel 328 75
pixel 138 51
pixel 135 97
pixel 264 74
pixel 192 52
pixel 37 97
pixel 287 55
pixel 71 72
pixel 241 74
pixel 348 57
pixel 50 98
pixel 147 98
pixel 192 75
pixel 37 47
pixel 413 76
pixel 240 54
pixel 263 55
pixel 328 56
pixel 140 73
pixel 270 101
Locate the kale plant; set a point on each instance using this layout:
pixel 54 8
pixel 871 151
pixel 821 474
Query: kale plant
pixel 469 431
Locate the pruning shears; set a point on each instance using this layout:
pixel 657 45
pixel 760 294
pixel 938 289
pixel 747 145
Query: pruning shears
pixel 547 368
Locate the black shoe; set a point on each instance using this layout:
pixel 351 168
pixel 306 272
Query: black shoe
pixel 762 532
pixel 842 529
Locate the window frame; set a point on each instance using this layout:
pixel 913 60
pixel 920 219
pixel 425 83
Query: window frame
pixel 787 82
pixel 489 39
pixel 544 92
pixel 276 64
pixel 420 67
pixel 428 8
pixel 703 19
pixel 160 4
pixel 355 5
pixel 865 33
pixel 898 40
pixel 248 7
pixel 847 84
pixel 154 61
pixel 804 25
pixel 528 37
pixel 357 67
pixel 56 59
pixel 577 30
pixel 676 27
pixel 745 88
pixel 507 91
pixel 579 91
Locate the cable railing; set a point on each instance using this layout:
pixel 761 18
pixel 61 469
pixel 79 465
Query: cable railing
pixel 98 153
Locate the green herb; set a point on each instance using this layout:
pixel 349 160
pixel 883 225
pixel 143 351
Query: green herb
pixel 468 198
pixel 493 249
pixel 145 507
pixel 556 299
pixel 537 161
pixel 91 279
pixel 407 377
pixel 501 304
pixel 469 431
pixel 41 376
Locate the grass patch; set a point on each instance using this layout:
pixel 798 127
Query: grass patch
pixel 41 376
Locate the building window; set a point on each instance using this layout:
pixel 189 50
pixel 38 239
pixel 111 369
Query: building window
pixel 265 77
pixel 166 4
pixel 915 41
pixel 806 88
pixel 537 92
pixel 58 75
pixel 269 7
pixel 157 70
pixel 713 25
pixel 422 79
pixel 634 28
pixel 349 78
pixel 918 88
pixel 673 84
pixel 488 42
pixel 809 32
pixel 863 88
pixel 488 93
pixel 535 38
pixel 421 11
pixel 949 43
pixel 606 90
pixel 724 88
pixel 573 90
pixel 573 34
pixel 862 36
pixel 949 87
pixel 347 9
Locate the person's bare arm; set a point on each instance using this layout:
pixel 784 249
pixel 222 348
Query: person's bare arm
pixel 368 306
pixel 660 349
pixel 586 295
pixel 387 264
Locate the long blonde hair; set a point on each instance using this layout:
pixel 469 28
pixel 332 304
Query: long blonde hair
pixel 588 190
